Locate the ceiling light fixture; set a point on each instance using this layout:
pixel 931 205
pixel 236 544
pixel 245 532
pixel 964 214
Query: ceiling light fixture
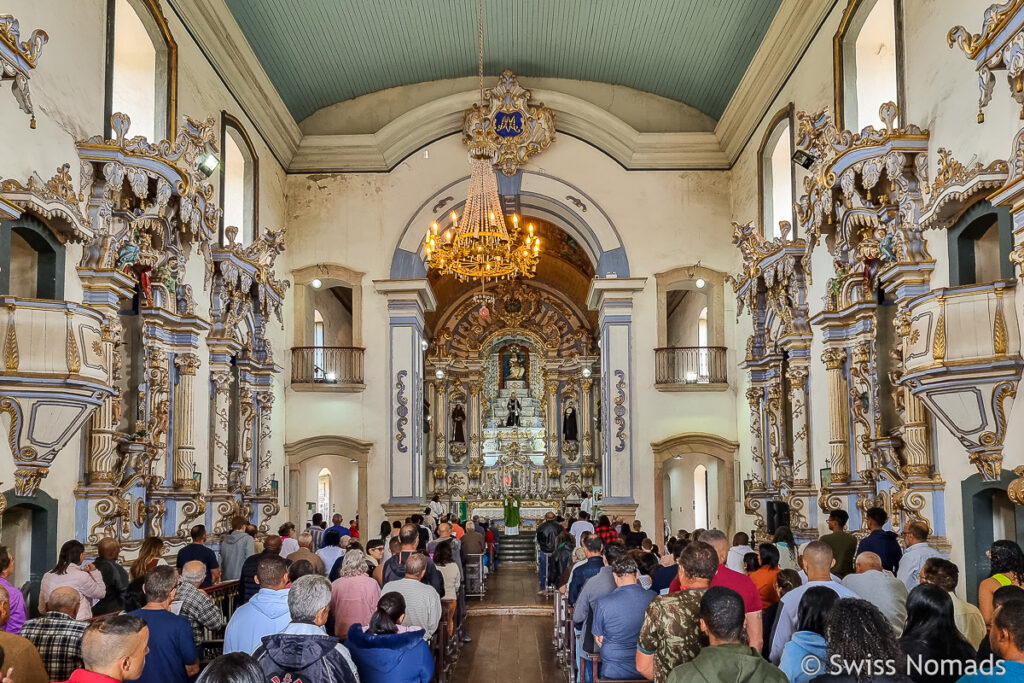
pixel 317 283
pixel 480 245
pixel 700 283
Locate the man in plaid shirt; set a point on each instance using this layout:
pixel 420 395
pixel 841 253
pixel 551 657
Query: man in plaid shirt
pixel 57 634
pixel 196 606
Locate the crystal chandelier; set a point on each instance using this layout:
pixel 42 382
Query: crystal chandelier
pixel 480 245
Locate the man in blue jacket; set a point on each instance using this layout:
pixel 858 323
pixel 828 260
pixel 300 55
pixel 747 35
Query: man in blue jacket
pixel 883 543
pixel 266 613
pixel 592 548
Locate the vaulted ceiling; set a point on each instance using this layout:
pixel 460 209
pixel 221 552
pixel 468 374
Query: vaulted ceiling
pixel 319 52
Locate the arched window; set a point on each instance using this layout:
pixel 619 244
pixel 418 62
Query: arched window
pixel 980 244
pixel 700 497
pixel 323 493
pixel 867 46
pixel 775 169
pixel 142 65
pixel 239 188
pixel 31 260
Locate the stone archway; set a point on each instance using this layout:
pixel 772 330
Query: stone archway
pixel 681 445
pixel 303 450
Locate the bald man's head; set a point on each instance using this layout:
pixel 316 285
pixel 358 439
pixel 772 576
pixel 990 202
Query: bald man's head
pixel 818 561
pixel 548 516
pixel 116 646
pixel 867 561
pixel 194 572
pixel 415 566
pixel 64 600
pixel 272 544
pixel 108 548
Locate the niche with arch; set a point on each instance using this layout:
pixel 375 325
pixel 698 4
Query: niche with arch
pixel 31 260
pixel 239 182
pixel 979 245
pixel 777 175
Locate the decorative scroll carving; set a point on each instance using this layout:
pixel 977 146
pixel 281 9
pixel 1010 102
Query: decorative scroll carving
pixel 507 122
pixel 18 58
pixel 1001 29
pixel 620 411
pixel 401 410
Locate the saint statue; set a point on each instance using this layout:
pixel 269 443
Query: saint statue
pixel 569 425
pixel 514 407
pixel 516 370
pixel 458 424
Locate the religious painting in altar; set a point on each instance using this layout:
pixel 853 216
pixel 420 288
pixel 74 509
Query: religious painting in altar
pixel 515 365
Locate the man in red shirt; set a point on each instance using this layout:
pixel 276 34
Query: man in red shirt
pixel 113 650
pixel 741 583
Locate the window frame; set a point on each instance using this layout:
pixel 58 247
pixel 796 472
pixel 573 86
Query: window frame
pixel 36 233
pixel 228 120
pixel 782 116
pixel 956 240
pixel 156 25
pixel 847 25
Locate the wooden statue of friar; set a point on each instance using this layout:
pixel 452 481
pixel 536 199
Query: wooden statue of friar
pixel 570 428
pixel 458 424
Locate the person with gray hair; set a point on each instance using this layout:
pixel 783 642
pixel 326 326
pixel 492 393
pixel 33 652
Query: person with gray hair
pixel 305 552
pixel 303 650
pixel 172 656
pixel 19 653
pixel 422 603
pixel 354 594
pixel 197 606
pixel 57 635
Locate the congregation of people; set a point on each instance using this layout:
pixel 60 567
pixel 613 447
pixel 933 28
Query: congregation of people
pixel 872 607
pixel 317 606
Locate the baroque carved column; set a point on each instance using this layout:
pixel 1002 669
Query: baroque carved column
pixel 586 433
pixel 797 376
pixel 552 439
pixel 839 421
pixel 475 436
pixel 219 429
pixel 917 450
pixel 264 472
pixel 758 473
pixel 103 455
pixel 184 420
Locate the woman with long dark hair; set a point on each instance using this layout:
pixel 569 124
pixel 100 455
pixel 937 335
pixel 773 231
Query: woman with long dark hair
pixel 931 633
pixel 387 652
pixel 857 631
pixel 1006 568
pixel 236 667
pixel 69 571
pixel 809 638
pixel 786 544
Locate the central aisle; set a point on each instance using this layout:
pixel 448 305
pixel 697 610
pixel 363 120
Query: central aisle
pixel 511 629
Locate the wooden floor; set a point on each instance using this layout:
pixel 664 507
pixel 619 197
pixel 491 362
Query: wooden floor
pixel 509 647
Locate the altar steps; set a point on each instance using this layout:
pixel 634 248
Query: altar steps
pixel 516 548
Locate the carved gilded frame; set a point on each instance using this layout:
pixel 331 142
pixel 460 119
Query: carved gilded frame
pixel 153 19
pixel 229 121
pixel 784 115
pixel 847 25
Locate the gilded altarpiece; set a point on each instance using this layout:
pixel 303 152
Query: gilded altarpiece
pixel 862 199
pixel 510 408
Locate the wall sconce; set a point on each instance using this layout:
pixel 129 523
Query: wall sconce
pixel 586 372
pixel 439 373
pixel 700 283
pixel 317 283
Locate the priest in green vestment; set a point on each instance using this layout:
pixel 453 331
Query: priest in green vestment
pixel 511 504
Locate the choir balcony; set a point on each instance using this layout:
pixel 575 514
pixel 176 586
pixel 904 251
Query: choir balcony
pixel 690 368
pixel 328 368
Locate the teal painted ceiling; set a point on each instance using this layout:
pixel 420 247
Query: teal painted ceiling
pixel 319 52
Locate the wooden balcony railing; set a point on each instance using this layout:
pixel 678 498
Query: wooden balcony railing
pixel 690 365
pixel 327 365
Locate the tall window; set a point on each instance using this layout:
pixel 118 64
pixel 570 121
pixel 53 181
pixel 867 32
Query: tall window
pixel 776 172
pixel 318 342
pixel 239 181
pixel 866 49
pixel 323 493
pixel 702 341
pixel 141 67
pixel 700 497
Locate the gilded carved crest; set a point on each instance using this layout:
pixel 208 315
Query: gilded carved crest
pixel 516 129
